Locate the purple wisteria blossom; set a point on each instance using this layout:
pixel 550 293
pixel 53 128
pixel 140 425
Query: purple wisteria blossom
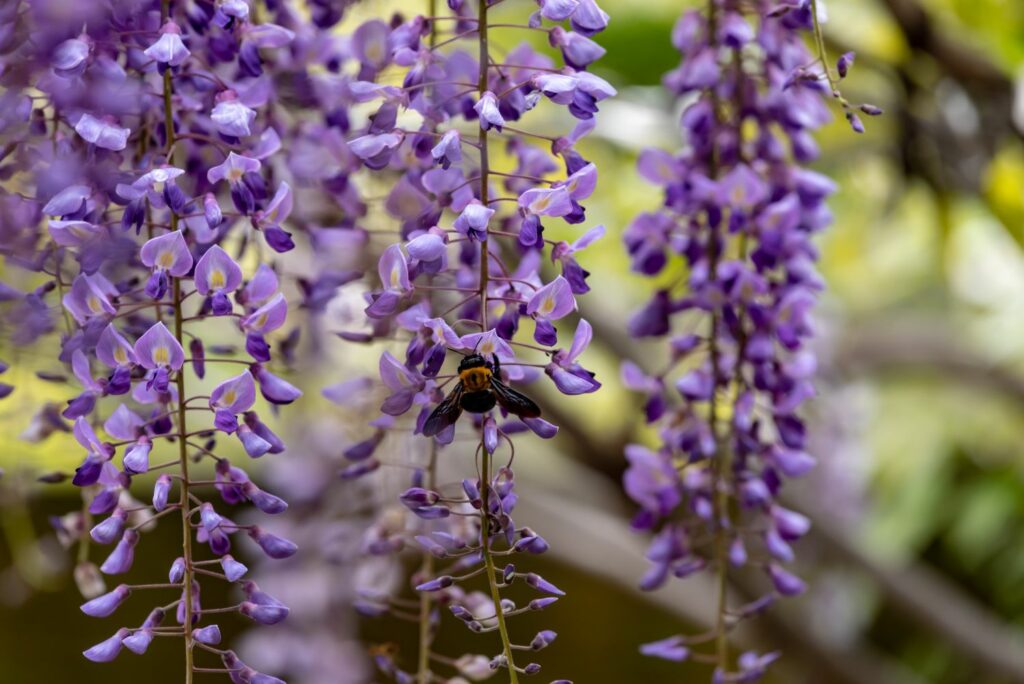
pixel 742 211
pixel 151 174
pixel 465 285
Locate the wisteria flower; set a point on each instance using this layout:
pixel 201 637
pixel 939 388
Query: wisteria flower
pixel 217 275
pixel 231 116
pixel 473 220
pixel 102 132
pixel 90 297
pixel 169 48
pixel 235 170
pixel 231 397
pixel 488 111
pixel 167 255
pixel 160 351
pixel 568 375
pixel 550 303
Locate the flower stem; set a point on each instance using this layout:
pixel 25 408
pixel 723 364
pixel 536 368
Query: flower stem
pixel 485 479
pixel 423 673
pixel 720 496
pixel 186 529
pixel 819 42
pixel 485 58
pixel 492 575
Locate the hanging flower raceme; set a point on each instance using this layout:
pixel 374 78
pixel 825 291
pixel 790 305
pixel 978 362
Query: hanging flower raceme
pixel 145 252
pixel 467 272
pixel 742 211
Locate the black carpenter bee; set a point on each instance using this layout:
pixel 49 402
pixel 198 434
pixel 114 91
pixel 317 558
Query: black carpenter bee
pixel 478 390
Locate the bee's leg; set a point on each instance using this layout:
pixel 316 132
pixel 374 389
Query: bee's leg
pixel 497 367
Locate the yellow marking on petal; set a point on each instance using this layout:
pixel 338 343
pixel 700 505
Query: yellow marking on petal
pixel 217 279
pixel 228 397
pixel 396 276
pixel 738 195
pixel 543 202
pixel 161 356
pixel 547 306
pixel 750 130
pixel 261 321
pixel 120 355
pixel 166 259
pixel 235 175
pixel 95 306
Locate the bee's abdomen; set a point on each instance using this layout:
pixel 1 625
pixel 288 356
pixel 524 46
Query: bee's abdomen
pixel 476 379
pixel 478 402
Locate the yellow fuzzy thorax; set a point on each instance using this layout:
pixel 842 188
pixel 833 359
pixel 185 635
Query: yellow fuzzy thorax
pixel 475 379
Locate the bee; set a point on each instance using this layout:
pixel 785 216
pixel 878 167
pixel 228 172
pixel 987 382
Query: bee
pixel 478 391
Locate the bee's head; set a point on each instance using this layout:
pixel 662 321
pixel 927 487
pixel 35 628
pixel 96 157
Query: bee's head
pixel 472 361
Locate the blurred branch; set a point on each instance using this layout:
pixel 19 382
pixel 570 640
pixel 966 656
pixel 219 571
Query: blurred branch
pixel 924 345
pixel 936 145
pixel 963 63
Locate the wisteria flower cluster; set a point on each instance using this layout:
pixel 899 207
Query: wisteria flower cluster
pixel 143 131
pixel 467 272
pixel 740 213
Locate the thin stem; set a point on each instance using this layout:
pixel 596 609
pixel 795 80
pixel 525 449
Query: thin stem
pixel 819 39
pixel 485 173
pixel 186 530
pixel 485 550
pixel 485 483
pixel 720 498
pixel 426 571
pixel 423 673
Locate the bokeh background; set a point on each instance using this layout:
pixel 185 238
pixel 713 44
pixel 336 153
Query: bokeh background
pixel 916 560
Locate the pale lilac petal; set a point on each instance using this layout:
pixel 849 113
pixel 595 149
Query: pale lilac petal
pixel 581 340
pixel 233 118
pixel 217 272
pixel 168 48
pixel 547 201
pixel 426 247
pixel 269 35
pixel 553 301
pixel 582 183
pixel 169 253
pixel 280 206
pixel 233 169
pixel 236 394
pixel 158 348
pixel 73 233
pixel 268 317
pixel 487 109
pixel 393 270
pixel 102 133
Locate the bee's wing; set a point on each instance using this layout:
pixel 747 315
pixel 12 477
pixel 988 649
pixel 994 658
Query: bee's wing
pixel 446 413
pixel 513 401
